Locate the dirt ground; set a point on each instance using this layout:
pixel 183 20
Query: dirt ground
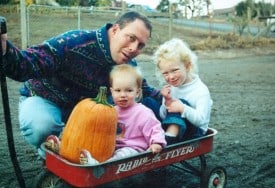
pixel 242 83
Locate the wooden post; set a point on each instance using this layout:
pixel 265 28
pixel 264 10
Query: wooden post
pixel 124 5
pixel 23 24
pixel 79 17
pixel 248 20
pixel 170 20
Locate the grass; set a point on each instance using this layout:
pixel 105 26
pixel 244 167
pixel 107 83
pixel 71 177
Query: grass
pixel 44 26
pixel 200 39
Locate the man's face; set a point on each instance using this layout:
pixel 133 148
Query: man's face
pixel 128 42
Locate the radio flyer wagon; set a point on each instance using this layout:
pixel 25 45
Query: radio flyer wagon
pixel 60 170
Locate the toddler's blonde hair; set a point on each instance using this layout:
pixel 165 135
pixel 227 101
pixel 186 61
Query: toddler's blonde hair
pixel 120 70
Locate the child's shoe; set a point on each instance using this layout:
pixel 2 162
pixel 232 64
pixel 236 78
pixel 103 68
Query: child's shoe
pixel 171 139
pixel 53 143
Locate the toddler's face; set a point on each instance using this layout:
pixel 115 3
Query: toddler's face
pixel 124 90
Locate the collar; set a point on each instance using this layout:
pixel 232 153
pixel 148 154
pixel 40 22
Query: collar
pixel 103 42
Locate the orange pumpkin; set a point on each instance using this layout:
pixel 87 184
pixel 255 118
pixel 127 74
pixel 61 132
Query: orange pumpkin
pixel 91 126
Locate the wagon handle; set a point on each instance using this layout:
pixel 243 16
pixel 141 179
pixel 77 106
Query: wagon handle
pixel 5 100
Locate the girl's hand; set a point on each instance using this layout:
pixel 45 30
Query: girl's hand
pixel 175 106
pixel 165 91
pixel 155 148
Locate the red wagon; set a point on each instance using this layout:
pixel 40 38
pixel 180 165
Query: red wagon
pixel 58 169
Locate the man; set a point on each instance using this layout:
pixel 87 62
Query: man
pixel 61 71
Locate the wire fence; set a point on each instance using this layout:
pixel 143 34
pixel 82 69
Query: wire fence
pixel 33 24
pixel 40 22
pixel 44 22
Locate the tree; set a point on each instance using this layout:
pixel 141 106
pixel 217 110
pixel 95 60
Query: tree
pixel 240 23
pixel 248 10
pixel 102 3
pixel 85 2
pixel 4 1
pixel 163 6
pixel 265 9
pixel 196 7
pixel 242 7
pixel 68 2
pixel 208 3
pixel 191 5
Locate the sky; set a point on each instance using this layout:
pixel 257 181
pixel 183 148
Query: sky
pixel 217 4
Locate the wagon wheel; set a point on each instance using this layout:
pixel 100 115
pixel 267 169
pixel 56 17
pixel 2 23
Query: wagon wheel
pixel 46 179
pixel 214 178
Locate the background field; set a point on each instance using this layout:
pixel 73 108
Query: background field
pixel 241 80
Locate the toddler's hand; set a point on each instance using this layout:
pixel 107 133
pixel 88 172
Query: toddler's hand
pixel 155 148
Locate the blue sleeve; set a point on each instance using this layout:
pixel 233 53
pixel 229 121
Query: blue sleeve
pixel 34 62
pixel 41 61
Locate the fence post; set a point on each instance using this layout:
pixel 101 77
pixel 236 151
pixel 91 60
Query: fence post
pixel 248 20
pixel 170 21
pixel 123 7
pixel 79 19
pixel 23 24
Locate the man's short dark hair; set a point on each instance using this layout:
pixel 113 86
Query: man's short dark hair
pixel 131 16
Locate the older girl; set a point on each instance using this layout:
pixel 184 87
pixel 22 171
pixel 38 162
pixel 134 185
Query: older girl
pixel 186 102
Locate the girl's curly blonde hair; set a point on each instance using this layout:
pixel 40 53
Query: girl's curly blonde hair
pixel 176 50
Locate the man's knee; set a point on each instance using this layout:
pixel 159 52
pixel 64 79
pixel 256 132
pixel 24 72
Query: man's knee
pixel 38 119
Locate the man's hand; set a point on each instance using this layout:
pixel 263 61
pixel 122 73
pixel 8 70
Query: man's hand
pixel 3 28
pixel 3 32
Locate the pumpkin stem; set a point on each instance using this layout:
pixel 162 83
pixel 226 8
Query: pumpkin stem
pixel 101 97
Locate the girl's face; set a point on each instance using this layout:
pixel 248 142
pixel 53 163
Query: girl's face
pixel 124 90
pixel 174 73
